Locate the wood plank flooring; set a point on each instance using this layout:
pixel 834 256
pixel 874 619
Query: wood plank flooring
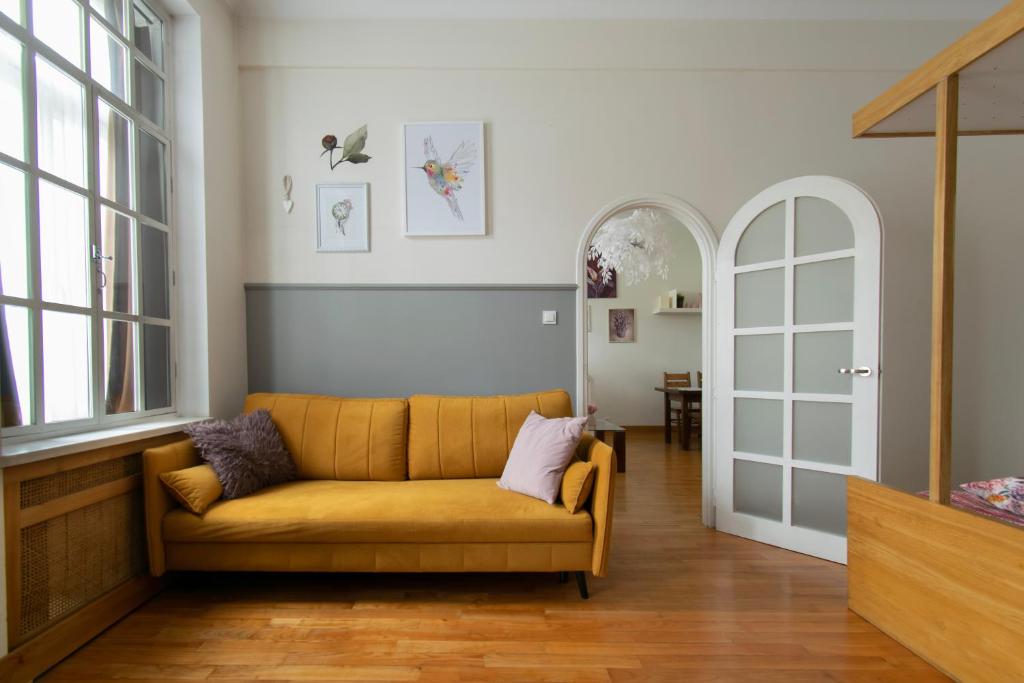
pixel 681 603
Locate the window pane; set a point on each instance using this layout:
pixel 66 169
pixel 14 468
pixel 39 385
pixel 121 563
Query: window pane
pixel 119 366
pixel 116 290
pixel 152 183
pixel 15 366
pixel 115 136
pixel 112 11
pixel 13 233
pixel 61 121
pixel 12 132
pixel 63 245
pixel 11 8
pixel 65 366
pixel 109 60
pixel 58 23
pixel 149 94
pixel 155 297
pixel 149 33
pixel 157 365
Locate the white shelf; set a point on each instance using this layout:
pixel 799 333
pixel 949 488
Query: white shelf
pixel 677 311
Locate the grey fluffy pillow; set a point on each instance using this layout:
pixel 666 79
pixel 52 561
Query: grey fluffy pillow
pixel 246 453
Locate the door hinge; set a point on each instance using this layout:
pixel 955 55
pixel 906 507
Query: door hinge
pixel 174 278
pixel 175 369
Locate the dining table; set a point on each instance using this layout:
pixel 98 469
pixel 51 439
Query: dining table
pixel 687 396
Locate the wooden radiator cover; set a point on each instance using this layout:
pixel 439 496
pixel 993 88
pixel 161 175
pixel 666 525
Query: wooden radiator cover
pixel 75 540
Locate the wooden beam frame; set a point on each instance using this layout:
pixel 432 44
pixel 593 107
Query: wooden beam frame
pixel 986 36
pixel 940 428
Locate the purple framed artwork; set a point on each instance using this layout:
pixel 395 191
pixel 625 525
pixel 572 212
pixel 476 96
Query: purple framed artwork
pixel 598 285
pixel 621 325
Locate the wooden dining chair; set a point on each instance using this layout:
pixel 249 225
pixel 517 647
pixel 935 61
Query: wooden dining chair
pixel 677 380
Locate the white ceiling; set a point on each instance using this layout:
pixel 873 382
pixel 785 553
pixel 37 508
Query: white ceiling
pixel 892 10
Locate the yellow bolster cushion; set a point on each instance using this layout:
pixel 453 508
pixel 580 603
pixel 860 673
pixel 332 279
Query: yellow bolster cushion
pixel 577 483
pixel 196 488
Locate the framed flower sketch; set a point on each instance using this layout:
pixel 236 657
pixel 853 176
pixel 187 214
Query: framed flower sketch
pixel 621 325
pixel 445 179
pixel 343 217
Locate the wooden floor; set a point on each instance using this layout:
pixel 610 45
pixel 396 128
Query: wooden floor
pixel 681 603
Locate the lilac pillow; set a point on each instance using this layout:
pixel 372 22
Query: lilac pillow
pixel 246 453
pixel 542 451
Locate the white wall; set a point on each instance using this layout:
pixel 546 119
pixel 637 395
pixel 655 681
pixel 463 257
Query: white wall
pixel 623 375
pixel 211 300
pixel 581 113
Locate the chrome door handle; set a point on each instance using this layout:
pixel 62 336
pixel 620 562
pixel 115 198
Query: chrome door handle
pixel 861 372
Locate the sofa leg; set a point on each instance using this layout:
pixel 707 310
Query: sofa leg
pixel 581 582
pixel 563 577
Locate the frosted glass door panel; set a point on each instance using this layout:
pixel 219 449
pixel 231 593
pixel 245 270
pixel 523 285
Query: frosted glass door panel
pixel 765 239
pixel 821 226
pixel 63 245
pixel 16 365
pixel 758 426
pixel 58 23
pixel 817 357
pixel 115 153
pixel 60 117
pixel 819 501
pixel 13 233
pixel 757 489
pixel 157 363
pixel 109 60
pixel 822 431
pixel 119 366
pixel 12 133
pixel 760 298
pixel 823 292
pixel 759 362
pixel 66 353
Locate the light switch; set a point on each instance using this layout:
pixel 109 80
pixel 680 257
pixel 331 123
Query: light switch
pixel 549 317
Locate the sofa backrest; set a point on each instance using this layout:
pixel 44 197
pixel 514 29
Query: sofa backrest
pixel 463 437
pixel 361 439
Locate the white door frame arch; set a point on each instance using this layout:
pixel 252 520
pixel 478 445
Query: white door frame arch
pixel 707 243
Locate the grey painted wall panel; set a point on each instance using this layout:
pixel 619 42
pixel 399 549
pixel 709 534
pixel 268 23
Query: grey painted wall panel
pixel 397 341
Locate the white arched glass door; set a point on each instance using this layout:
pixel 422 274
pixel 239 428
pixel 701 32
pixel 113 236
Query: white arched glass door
pixel 797 398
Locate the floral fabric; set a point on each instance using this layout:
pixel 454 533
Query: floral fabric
pixel 1006 493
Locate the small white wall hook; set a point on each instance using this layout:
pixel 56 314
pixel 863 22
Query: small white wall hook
pixel 287 203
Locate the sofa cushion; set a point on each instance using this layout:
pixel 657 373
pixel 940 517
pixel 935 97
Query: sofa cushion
pixel 432 511
pixel 193 487
pixel 462 437
pixel 358 439
pixel 577 484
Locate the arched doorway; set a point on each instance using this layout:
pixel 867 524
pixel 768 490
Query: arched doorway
pixel 707 244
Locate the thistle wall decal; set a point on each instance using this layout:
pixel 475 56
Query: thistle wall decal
pixel 351 149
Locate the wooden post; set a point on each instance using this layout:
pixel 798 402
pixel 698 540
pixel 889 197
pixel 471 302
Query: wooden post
pixel 940 430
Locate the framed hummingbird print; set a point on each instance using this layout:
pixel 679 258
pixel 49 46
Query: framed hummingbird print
pixel 343 217
pixel 445 179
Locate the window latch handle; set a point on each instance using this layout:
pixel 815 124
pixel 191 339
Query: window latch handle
pixel 98 256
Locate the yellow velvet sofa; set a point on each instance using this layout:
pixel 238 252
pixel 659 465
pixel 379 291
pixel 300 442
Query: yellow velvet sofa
pixel 387 485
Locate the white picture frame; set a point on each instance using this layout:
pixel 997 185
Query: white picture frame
pixel 343 217
pixel 436 204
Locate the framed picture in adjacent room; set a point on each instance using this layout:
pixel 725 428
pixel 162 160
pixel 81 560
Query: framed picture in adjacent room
pixel 621 325
pixel 343 217
pixel 601 283
pixel 445 179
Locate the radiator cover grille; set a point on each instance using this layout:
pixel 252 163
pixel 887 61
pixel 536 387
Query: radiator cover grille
pixel 71 559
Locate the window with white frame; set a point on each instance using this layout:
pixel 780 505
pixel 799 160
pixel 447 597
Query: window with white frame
pixel 85 214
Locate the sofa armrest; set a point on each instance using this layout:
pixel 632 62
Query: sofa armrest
pixel 155 461
pixel 602 499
